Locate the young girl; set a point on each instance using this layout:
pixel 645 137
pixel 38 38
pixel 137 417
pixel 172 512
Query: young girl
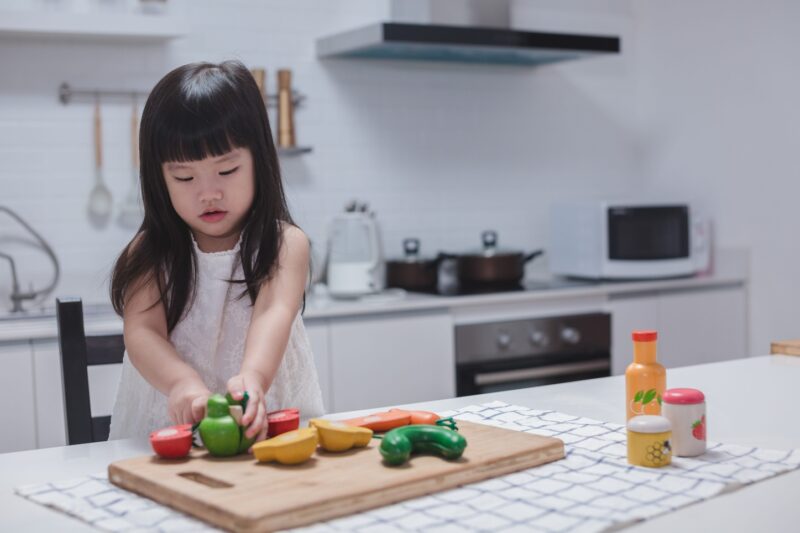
pixel 211 287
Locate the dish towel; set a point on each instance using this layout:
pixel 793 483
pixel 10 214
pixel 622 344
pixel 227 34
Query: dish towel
pixel 592 489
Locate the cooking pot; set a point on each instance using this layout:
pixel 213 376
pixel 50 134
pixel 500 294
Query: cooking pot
pixel 412 272
pixel 493 266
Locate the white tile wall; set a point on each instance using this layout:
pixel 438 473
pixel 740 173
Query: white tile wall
pixel 440 151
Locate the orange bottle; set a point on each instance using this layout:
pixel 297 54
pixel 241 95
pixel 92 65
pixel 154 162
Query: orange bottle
pixel 645 378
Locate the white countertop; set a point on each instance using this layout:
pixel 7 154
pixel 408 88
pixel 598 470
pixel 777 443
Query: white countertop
pixel 749 403
pixel 100 319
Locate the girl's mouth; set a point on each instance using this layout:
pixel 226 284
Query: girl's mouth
pixel 213 216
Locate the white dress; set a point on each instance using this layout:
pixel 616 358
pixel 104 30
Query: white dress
pixel 211 338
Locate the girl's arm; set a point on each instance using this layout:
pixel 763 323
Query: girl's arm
pixel 154 356
pixel 274 311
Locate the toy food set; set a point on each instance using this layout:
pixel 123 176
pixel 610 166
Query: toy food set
pixel 291 448
pixel 686 411
pixel 652 438
pixel 282 421
pixel 353 470
pixel 645 378
pixel 649 441
pixel 173 442
pixel 339 437
pixel 398 444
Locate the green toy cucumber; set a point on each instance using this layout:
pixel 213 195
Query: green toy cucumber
pixel 398 444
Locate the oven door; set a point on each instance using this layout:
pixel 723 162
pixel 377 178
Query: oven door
pixel 495 376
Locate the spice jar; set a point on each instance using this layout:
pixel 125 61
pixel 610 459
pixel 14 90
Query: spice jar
pixel 649 441
pixel 686 411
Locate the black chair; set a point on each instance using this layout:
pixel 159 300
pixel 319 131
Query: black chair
pixel 78 352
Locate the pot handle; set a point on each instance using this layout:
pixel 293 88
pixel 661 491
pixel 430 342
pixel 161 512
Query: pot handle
pixel 533 255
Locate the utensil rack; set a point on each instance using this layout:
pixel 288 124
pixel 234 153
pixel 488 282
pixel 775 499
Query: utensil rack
pixel 66 93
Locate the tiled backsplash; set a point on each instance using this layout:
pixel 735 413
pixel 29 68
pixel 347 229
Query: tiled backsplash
pixel 440 151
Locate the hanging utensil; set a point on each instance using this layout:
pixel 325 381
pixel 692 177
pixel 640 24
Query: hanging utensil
pixel 130 213
pixel 100 197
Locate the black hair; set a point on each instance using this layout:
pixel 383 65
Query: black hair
pixel 196 111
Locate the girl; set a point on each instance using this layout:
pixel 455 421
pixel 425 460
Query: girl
pixel 210 287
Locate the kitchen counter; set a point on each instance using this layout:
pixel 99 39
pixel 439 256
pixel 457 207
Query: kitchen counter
pixel 749 403
pixel 100 318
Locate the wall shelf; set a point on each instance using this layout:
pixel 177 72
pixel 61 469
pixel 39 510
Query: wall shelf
pixel 109 27
pixel 426 42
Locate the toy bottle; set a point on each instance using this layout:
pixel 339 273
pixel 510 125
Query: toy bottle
pixel 645 378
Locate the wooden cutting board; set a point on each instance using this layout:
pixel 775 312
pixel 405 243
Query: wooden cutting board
pixel 241 494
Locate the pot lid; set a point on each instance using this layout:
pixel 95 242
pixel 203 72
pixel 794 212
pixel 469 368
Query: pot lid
pixel 411 252
pixel 490 247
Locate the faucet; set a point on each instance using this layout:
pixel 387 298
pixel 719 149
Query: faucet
pixel 17 296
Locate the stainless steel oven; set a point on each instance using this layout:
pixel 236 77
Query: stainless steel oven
pixel 515 354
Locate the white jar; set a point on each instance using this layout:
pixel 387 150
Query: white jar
pixel 686 411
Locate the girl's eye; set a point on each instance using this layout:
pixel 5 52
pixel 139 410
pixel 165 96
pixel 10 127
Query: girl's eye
pixel 184 179
pixel 228 172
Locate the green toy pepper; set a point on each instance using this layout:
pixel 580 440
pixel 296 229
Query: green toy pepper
pixel 221 434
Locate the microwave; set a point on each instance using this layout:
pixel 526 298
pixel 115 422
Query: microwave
pixel 600 239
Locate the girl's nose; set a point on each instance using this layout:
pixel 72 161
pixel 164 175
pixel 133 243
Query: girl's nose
pixel 211 194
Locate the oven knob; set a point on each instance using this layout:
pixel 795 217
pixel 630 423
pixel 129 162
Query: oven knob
pixel 538 339
pixel 503 340
pixel 570 335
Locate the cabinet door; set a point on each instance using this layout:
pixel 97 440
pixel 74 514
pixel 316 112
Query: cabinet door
pixel 387 360
pixel 17 417
pixel 317 331
pixel 702 326
pixel 49 394
pixel 627 315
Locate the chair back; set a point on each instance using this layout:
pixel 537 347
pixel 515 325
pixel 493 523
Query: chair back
pixel 78 352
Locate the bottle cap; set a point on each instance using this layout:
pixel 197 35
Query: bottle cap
pixel 649 424
pixel 645 335
pixel 683 396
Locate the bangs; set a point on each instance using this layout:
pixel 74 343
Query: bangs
pixel 191 136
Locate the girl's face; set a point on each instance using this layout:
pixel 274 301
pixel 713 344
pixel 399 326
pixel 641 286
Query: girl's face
pixel 213 196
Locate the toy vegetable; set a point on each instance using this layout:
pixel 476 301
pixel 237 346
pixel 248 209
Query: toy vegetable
pixel 398 444
pixel 173 442
pixel 381 421
pixel 290 448
pixel 418 417
pixel 221 433
pixel 339 437
pixel 282 421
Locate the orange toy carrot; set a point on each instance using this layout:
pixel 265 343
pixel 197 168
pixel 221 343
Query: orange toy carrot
pixel 383 421
pixel 419 417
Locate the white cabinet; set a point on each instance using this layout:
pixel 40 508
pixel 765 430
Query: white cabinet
pixel 702 326
pixel 391 359
pixel 694 327
pixel 16 397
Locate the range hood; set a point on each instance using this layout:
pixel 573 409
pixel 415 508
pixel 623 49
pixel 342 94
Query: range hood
pixel 466 44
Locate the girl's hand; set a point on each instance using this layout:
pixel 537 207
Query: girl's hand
pixel 187 401
pixel 255 417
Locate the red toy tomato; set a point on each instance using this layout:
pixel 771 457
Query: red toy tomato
pixel 282 421
pixel 173 442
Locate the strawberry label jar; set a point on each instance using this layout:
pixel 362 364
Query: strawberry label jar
pixel 686 410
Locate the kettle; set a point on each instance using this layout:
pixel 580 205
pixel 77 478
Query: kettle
pixel 355 265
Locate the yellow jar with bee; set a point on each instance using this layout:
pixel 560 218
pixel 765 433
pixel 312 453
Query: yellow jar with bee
pixel 649 441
